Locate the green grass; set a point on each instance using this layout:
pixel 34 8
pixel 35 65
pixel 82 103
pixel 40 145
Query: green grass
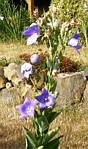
pixel 14 22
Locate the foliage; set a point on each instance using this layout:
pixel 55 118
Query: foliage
pixel 14 20
pixel 3 61
pixel 70 9
pixel 84 28
pixel 43 137
pixel 42 108
pixel 74 10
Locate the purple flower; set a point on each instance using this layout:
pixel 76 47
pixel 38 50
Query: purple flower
pixel 26 69
pixel 35 59
pixel 27 108
pixel 45 99
pixel 32 32
pixel 32 39
pixel 74 42
pixel 32 29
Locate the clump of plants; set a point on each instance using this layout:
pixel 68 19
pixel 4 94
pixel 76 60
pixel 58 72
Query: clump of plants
pixel 75 14
pixel 13 22
pixel 42 108
pixel 36 79
pixel 70 9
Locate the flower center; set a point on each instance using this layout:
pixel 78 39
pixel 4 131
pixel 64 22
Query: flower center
pixel 46 99
pixel 29 110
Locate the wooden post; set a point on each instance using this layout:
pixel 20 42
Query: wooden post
pixel 30 6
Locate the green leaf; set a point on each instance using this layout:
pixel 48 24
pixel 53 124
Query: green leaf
pixel 50 135
pixel 30 138
pixel 51 116
pixel 26 143
pixel 42 123
pixel 53 144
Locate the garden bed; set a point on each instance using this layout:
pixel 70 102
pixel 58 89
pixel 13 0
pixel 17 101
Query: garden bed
pixel 71 120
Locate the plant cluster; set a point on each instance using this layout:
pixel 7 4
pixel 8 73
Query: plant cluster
pixel 70 9
pixel 56 33
pixel 43 108
pixel 76 13
pixel 13 21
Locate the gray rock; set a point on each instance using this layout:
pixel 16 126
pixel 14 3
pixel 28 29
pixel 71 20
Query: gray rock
pixel 70 88
pixel 15 94
pixel 86 72
pixel 24 89
pixel 12 73
pixel 85 95
pixel 9 95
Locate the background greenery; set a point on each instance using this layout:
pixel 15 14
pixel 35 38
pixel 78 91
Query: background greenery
pixel 74 9
pixel 16 18
pixel 68 9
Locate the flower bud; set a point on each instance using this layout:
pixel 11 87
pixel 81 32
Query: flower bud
pixel 54 72
pixel 35 59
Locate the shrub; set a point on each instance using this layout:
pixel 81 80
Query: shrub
pixel 68 9
pixel 74 11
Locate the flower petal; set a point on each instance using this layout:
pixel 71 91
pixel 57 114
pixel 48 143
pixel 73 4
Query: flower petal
pixel 27 108
pixel 42 106
pixel 50 101
pixel 77 46
pixel 26 69
pixel 32 39
pixel 74 42
pixel 32 29
pixel 76 36
pixel 44 92
pixel 40 98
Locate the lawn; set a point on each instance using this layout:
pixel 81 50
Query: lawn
pixel 73 121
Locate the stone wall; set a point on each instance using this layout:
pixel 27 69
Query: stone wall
pixel 71 87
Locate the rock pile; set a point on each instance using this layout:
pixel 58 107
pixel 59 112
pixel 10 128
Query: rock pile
pixel 71 87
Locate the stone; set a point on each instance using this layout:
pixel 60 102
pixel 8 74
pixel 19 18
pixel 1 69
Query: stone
pixel 70 88
pixel 86 72
pixel 15 94
pixel 2 83
pixel 2 79
pixel 85 95
pixel 24 89
pixel 9 95
pixel 13 73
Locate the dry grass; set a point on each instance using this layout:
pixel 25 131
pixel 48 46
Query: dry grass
pixel 73 121
pixel 12 51
pixel 82 58
pixel 74 127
